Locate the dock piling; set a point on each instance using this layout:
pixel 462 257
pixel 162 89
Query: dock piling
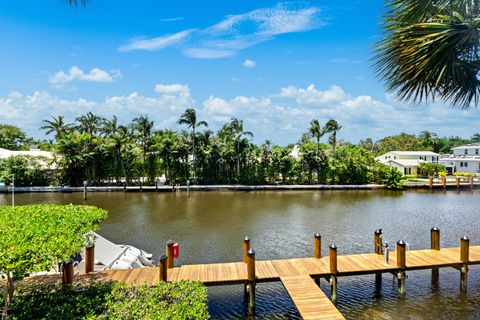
pixel 378 249
pixel 90 258
pixel 457 182
pixel 317 245
pixel 435 245
pixel 401 264
pixel 251 281
pixel 246 248
pixel 471 181
pixel 464 257
pixel 169 250
pixel 67 272
pixel 430 182
pixel 163 267
pixel 333 271
pixel 85 184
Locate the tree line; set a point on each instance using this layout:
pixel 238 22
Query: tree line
pixel 103 151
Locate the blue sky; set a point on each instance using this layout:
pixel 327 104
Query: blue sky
pixel 276 65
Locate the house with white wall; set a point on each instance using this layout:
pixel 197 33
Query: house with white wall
pixel 407 162
pixel 465 158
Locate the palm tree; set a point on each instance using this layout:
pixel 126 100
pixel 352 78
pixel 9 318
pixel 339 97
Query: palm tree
pixel 142 128
pixel 427 138
pixel 189 117
pixel 431 51
pixel 89 123
pixel 475 137
pixel 332 127
pixel 57 125
pixel 237 130
pixel 317 132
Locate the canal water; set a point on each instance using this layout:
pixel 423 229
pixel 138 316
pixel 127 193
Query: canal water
pixel 210 227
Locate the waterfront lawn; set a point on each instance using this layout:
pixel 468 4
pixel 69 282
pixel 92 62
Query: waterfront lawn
pixel 110 300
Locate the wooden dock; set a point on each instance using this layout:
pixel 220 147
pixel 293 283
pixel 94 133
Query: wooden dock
pixel 298 276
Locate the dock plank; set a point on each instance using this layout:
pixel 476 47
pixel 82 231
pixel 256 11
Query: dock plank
pixel 309 299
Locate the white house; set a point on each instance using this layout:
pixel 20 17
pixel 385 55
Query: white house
pixel 464 159
pixel 407 162
pixel 46 158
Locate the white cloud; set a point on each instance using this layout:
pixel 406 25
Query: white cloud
pixel 171 19
pixel 156 43
pixel 61 78
pixel 202 53
pixel 249 63
pixel 172 89
pixel 280 117
pixel 235 32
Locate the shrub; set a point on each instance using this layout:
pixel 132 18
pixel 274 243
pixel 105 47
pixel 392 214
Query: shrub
pixel 442 173
pixel 393 179
pixel 37 237
pixel 430 168
pixel 109 300
pixel 27 171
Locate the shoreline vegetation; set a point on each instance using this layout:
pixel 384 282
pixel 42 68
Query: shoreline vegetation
pixel 104 152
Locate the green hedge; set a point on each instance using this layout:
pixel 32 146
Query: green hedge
pixel 178 300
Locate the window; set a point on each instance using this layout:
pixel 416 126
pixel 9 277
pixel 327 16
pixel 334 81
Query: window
pixel 466 151
pixel 476 151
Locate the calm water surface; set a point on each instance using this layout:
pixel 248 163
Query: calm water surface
pixel 210 227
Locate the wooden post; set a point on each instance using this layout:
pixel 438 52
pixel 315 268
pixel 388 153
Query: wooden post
pixel 378 241
pixel 156 185
pixel 317 245
pixel 90 259
pixel 246 248
pixel 251 281
pixel 430 182
pixel 444 182
pixel 163 267
pixel 85 183
pixel 333 271
pixel 169 250
pixel 67 272
pixel 435 238
pixel 471 182
pixel 435 245
pixel 457 182
pixel 464 257
pixel 401 264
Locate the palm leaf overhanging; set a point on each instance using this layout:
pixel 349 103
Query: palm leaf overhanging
pixel 430 51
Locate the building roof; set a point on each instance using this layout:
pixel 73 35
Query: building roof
pixel 5 153
pixel 468 146
pixel 414 153
pixel 407 162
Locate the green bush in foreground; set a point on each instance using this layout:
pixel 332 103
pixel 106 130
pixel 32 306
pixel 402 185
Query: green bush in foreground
pixel 37 237
pixel 393 179
pixel 179 300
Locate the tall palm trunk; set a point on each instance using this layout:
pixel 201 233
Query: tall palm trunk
pixel 193 152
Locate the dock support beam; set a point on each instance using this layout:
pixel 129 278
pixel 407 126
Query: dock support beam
pixel 430 182
pixel 471 182
pixel 464 257
pixel 163 268
pixel 435 245
pixel 317 245
pixel 251 281
pixel 246 248
pixel 89 259
pixel 401 264
pixel 378 249
pixel 169 250
pixel 333 271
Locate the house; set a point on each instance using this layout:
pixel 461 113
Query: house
pixel 46 158
pixel 407 162
pixel 465 158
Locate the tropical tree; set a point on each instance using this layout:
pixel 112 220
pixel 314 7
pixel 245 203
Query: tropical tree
pixel 332 126
pixel 431 50
pixel 317 132
pixel 475 137
pixel 57 125
pixel 142 128
pixel 428 139
pixel 189 118
pixel 237 130
pixel 89 123
pixel 11 137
